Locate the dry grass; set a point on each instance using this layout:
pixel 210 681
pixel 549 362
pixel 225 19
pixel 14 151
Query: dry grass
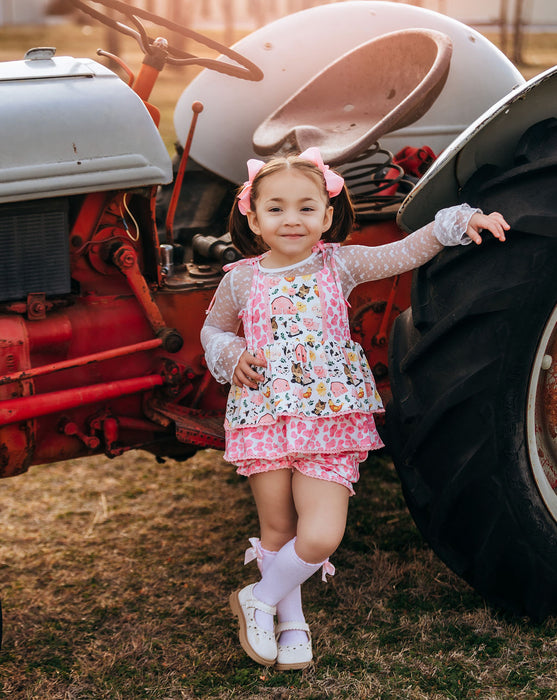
pixel 115 577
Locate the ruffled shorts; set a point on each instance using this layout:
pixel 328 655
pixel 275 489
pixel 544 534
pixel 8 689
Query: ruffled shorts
pixel 350 433
pixel 339 468
pixel 324 448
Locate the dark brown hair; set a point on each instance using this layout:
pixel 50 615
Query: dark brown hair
pixel 343 212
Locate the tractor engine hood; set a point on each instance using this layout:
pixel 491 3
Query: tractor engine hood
pixel 71 126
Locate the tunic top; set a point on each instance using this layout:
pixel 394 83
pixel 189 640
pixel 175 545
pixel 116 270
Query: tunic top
pixel 318 393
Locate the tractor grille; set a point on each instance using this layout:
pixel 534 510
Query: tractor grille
pixel 34 255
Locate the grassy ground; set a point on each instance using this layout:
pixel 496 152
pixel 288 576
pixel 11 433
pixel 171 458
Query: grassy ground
pixel 115 574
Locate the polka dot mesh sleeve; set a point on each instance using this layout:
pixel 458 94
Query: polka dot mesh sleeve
pixel 364 264
pixel 219 338
pixel 356 264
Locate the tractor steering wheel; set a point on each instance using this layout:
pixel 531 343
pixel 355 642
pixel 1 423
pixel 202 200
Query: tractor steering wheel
pixel 243 69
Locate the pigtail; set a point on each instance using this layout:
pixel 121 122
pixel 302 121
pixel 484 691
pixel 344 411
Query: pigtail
pixel 242 236
pixel 343 218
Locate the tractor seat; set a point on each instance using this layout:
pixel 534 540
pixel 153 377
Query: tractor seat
pixel 378 87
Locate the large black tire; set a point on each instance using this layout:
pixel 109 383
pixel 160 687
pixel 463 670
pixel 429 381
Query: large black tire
pixel 473 420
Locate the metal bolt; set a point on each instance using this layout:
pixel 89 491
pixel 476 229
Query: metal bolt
pixel 125 258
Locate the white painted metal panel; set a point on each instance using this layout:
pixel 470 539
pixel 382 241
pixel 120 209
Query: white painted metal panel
pixel 292 50
pixel 70 126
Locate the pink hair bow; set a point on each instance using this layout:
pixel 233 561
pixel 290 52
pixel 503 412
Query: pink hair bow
pixel 333 182
pixel 244 198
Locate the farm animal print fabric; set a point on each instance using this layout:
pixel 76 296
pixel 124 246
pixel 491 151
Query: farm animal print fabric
pixel 299 324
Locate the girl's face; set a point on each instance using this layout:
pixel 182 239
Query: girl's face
pixel 291 213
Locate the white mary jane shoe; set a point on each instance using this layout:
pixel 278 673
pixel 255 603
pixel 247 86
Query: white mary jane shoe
pixel 259 644
pixel 293 656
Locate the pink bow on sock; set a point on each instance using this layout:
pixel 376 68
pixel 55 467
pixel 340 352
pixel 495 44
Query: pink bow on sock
pixel 254 552
pixel 327 568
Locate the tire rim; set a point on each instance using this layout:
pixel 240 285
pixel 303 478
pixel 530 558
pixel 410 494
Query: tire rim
pixel 541 424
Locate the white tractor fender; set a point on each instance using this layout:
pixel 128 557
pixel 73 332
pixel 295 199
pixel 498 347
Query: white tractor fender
pixel 491 140
pixel 292 50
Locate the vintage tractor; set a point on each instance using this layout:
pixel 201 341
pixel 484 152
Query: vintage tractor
pixel 107 267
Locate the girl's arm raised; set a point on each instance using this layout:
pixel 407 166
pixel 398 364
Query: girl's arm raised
pixel 457 225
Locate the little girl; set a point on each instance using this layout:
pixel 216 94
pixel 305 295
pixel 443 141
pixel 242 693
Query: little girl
pixel 299 418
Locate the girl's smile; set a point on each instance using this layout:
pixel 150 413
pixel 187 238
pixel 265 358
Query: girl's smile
pixel 292 212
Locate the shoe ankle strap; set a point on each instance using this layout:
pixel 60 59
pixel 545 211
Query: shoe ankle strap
pixel 259 604
pixel 294 625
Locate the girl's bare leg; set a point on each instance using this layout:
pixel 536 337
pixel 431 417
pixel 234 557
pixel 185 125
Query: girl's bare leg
pixel 272 492
pixel 322 508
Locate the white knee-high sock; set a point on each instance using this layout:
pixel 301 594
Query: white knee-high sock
pixel 285 573
pixel 264 561
pixel 289 609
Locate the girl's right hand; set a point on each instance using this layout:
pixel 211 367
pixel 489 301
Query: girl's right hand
pixel 494 222
pixel 244 374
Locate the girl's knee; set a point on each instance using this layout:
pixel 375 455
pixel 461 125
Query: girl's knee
pixel 273 540
pixel 277 531
pixel 317 547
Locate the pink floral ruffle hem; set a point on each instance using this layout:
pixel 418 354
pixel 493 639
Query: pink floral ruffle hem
pixel 353 432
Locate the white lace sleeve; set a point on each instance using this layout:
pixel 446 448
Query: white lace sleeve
pixel 219 338
pixel 358 264
pixel 451 224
